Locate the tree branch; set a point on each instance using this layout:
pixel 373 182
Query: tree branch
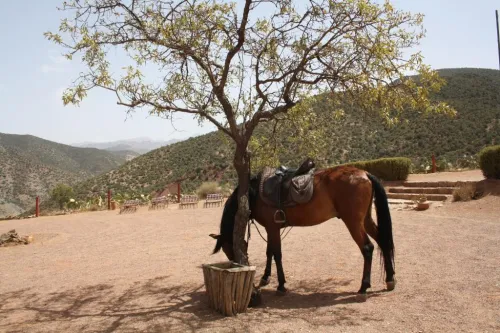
pixel 241 40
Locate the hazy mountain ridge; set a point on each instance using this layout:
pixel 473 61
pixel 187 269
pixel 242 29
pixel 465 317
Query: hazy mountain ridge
pixel 140 145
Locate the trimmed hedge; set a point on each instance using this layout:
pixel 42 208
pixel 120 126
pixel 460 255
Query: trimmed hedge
pixel 489 161
pixel 393 168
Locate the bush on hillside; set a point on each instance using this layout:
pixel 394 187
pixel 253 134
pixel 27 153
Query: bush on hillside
pixel 394 168
pixel 466 162
pixel 442 165
pixel 489 161
pixel 208 188
pixel 227 189
pixel 61 194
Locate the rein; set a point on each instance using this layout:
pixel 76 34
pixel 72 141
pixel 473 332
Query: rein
pixel 250 222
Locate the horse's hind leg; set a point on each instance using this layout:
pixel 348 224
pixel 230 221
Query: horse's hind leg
pixel 355 226
pixel 372 230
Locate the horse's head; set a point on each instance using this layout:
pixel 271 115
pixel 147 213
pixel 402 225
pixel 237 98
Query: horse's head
pixel 225 238
pixel 225 245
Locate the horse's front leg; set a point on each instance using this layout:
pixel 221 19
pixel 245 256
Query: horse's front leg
pixel 274 242
pixel 264 281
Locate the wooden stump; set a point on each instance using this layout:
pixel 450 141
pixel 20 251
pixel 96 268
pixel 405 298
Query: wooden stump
pixel 229 286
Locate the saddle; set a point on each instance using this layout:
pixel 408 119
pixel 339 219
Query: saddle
pixel 283 187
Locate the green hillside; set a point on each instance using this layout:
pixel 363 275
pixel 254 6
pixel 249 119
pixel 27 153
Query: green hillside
pixel 475 93
pixel 31 166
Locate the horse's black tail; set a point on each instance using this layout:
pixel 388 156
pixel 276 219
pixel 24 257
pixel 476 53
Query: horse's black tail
pixel 384 221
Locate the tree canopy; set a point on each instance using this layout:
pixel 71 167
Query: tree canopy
pixel 231 65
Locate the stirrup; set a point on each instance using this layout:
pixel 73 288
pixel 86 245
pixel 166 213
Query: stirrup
pixel 277 220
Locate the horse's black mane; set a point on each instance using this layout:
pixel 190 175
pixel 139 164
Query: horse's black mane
pixel 230 209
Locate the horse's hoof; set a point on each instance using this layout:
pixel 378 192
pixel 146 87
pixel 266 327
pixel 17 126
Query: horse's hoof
pixel 281 291
pixel 255 299
pixel 391 285
pixel 264 282
pixel 362 297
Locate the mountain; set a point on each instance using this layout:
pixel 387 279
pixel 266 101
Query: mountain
pixel 31 166
pixel 140 145
pixel 474 93
pixel 127 155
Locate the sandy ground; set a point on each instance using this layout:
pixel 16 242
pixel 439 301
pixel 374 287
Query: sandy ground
pixel 138 272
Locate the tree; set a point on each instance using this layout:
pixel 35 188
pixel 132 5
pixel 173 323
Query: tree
pixel 238 66
pixel 61 194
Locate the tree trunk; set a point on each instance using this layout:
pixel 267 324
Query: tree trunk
pixel 241 164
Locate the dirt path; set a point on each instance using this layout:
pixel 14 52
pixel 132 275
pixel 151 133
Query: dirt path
pixel 469 175
pixel 102 272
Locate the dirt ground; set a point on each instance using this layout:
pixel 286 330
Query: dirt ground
pixel 468 175
pixel 138 272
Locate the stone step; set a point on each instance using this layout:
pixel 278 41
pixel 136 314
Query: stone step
pixel 415 196
pixel 400 202
pixel 422 190
pixel 437 184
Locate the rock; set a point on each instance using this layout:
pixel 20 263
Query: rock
pixel 11 238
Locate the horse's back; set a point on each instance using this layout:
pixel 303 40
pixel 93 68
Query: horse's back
pixel 337 191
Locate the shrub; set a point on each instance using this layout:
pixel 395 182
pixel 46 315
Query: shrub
pixel 227 189
pixel 420 165
pixel 207 188
pixel 61 194
pixel 73 204
pixel 466 192
pixel 466 162
pixel 489 161
pixel 394 168
pixel 441 165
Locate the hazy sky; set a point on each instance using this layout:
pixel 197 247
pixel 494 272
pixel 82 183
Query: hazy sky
pixel 460 33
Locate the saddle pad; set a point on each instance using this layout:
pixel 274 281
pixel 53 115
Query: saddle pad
pixel 301 190
pixel 291 192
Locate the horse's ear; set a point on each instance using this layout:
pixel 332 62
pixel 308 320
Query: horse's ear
pixel 214 236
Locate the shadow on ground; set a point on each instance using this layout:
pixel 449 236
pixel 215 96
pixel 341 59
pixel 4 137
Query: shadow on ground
pixel 154 306
pixel 317 294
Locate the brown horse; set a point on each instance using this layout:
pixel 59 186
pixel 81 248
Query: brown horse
pixel 344 192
